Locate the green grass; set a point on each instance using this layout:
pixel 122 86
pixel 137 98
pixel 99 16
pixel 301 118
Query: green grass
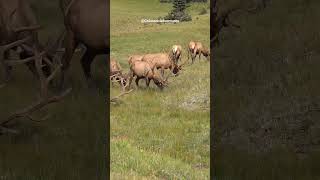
pixel 70 144
pixel 160 134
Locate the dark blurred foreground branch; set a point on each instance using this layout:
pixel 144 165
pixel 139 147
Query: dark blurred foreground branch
pixel 40 62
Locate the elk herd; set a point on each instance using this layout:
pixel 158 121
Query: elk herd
pixel 151 67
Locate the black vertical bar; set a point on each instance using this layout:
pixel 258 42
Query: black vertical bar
pixel 108 95
pixel 212 29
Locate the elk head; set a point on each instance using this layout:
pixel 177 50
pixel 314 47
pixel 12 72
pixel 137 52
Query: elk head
pixel 165 81
pixel 159 80
pixel 205 52
pixel 177 68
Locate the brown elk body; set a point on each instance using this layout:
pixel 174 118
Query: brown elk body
pixel 143 70
pixel 191 47
pixel 176 50
pixel 86 22
pixel 197 51
pixel 134 58
pixel 205 52
pixel 161 61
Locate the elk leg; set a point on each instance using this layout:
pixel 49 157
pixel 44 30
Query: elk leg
pixel 137 81
pixel 192 58
pixel 86 61
pixel 147 82
pixel 162 71
pixel 171 70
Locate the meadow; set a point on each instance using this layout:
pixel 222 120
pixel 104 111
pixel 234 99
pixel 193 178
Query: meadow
pixel 160 134
pixel 70 144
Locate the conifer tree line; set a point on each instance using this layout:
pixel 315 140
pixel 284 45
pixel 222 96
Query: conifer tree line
pixel 179 5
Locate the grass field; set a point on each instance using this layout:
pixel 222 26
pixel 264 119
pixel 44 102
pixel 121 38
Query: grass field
pixel 70 144
pixel 160 134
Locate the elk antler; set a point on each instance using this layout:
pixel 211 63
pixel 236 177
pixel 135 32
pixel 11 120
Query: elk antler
pixel 116 98
pixel 121 78
pixel 45 99
pixel 25 113
pixel 165 81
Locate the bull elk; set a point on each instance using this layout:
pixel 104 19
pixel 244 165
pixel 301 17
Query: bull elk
pixel 191 47
pixel 206 53
pixel 199 50
pixel 87 23
pixel 176 51
pixel 162 61
pixel 143 70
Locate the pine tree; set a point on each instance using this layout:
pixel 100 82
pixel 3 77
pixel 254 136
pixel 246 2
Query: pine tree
pixel 179 5
pixel 178 11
